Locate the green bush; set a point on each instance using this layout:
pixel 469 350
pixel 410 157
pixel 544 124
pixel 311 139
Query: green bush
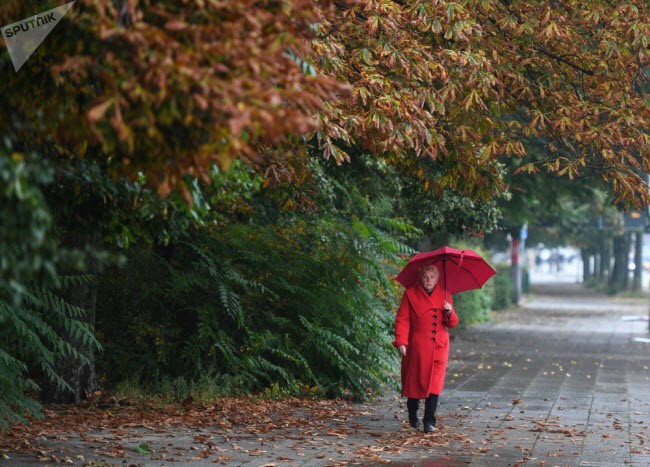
pixel 34 315
pixel 272 303
pixel 501 287
pixel 472 306
pixel 260 305
pixel 31 342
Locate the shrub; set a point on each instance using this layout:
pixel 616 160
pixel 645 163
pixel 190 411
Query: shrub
pixel 472 306
pixel 502 287
pixel 273 303
pixel 31 341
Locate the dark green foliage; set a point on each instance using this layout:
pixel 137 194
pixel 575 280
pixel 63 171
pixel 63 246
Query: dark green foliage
pixel 502 287
pixel 473 306
pixel 287 299
pixel 33 316
pixel 30 341
pixel 27 250
pixel 443 214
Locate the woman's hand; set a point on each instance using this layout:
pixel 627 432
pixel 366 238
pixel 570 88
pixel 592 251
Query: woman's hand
pixel 402 350
pixel 447 308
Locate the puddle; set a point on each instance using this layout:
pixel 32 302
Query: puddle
pixel 643 340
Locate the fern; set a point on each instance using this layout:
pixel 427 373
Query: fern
pixel 28 339
pixel 276 300
pixel 230 303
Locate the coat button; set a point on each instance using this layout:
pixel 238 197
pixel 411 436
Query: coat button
pixel 434 332
pixel 433 339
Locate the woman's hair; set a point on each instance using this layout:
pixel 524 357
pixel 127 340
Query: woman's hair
pixel 428 268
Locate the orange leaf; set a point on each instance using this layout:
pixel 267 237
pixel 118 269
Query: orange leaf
pixel 97 112
pixel 175 25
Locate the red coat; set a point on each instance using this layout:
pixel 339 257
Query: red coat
pixel 421 325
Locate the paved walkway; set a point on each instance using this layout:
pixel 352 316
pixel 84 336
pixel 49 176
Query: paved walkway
pixel 564 381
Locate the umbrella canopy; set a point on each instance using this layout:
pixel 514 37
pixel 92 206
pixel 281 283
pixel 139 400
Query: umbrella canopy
pixel 460 270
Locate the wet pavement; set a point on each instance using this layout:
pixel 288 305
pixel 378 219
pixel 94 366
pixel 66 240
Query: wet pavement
pixel 562 381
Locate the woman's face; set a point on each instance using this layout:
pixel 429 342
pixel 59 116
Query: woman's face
pixel 430 279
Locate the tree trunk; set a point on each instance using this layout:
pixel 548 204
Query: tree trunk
pixel 515 268
pixel 79 375
pixel 638 261
pixel 603 263
pixel 586 270
pixel 605 258
pixel 618 279
pixel 598 259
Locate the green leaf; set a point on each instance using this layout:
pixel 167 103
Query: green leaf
pixel 142 449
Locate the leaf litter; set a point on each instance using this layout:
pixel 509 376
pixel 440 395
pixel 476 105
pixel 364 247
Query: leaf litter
pixel 218 432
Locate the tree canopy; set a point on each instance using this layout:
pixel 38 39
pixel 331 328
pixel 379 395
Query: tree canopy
pixel 470 82
pixel 169 89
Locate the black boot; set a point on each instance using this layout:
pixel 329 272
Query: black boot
pixel 412 405
pixel 430 406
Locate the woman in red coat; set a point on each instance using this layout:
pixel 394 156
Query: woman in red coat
pixel 421 337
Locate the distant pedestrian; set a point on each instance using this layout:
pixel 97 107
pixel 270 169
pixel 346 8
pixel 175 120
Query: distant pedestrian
pixel 421 337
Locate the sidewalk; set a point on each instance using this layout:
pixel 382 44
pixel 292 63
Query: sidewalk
pixel 563 382
pixel 560 382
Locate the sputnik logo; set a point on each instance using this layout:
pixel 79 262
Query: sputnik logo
pixel 23 37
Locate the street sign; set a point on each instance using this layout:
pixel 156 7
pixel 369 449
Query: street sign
pixel 635 220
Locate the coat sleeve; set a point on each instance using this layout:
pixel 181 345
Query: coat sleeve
pixel 451 321
pixel 402 323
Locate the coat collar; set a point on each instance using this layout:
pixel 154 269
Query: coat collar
pixel 421 301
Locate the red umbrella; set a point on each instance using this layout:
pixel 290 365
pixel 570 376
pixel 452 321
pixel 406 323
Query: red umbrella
pixel 460 270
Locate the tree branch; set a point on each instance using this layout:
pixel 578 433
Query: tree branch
pixel 564 60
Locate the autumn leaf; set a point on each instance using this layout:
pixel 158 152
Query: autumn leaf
pixel 175 25
pixel 97 112
pixel 459 85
